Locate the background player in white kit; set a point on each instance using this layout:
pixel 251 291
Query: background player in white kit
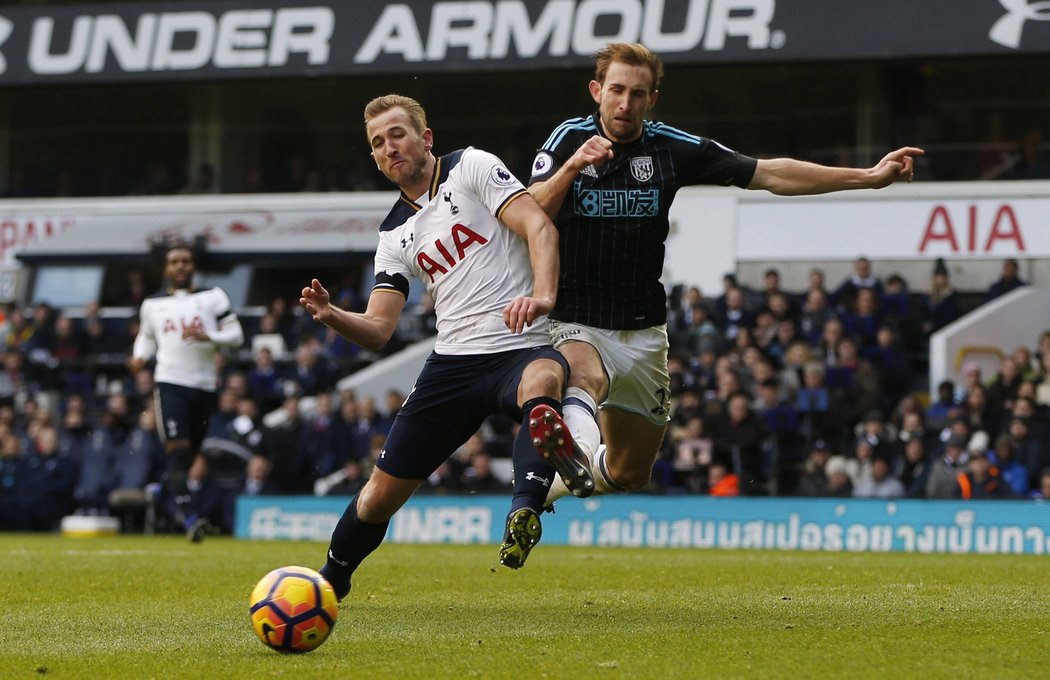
pixel 468 229
pixel 183 327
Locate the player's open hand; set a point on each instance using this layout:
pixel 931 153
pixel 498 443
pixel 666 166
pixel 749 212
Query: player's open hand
pixel 316 300
pixel 896 166
pixel 594 151
pixel 522 311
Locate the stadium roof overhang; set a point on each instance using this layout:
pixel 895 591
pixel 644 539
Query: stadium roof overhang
pixel 156 41
pixel 235 228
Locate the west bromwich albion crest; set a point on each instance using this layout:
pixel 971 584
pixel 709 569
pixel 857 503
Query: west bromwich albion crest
pixel 642 168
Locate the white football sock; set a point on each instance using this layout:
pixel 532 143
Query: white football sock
pixel 578 411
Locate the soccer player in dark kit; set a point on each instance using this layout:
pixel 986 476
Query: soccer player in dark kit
pixel 608 181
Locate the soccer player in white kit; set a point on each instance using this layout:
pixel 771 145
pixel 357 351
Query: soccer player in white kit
pixel 487 253
pixel 183 327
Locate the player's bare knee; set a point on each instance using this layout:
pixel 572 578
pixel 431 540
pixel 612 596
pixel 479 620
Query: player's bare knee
pixel 542 378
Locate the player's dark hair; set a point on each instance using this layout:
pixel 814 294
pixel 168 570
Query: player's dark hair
pixel 159 248
pixel 632 54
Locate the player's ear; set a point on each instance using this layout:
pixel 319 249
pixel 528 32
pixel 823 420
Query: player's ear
pixel 653 97
pixel 428 139
pixel 596 91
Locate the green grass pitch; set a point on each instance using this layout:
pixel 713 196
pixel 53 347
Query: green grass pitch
pixel 139 607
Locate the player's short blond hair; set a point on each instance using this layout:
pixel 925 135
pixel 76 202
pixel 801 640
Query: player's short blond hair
pixel 414 109
pixel 632 54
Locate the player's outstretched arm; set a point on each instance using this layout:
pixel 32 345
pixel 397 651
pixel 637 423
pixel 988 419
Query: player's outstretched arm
pixel 551 192
pixel 526 219
pixel 789 177
pixel 371 329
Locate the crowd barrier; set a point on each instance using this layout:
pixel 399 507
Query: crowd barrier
pixel 852 525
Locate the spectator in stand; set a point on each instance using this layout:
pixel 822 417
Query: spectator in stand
pixel 914 468
pixel 881 483
pixel 478 477
pixel 1026 364
pixel 680 305
pixel 941 304
pixel 980 480
pixel 735 316
pixel 320 444
pixel 352 432
pixel 815 282
pixel 941 481
pixel 895 303
pixel 892 365
pixel 13 515
pixel 815 315
pixel 938 412
pixel 1042 491
pixel 47 487
pixel 827 348
pixel 1028 450
pixel 310 371
pixel 1008 281
pixel 813 481
pixel 292 471
pixel 693 452
pixel 19 330
pixel 861 321
pixel 1004 457
pixel 862 278
pixel 721 482
pixel 738 443
pixel 839 483
pixel 855 381
pixel 1002 391
pixel 257 480
pixel 266 381
pixel 73 434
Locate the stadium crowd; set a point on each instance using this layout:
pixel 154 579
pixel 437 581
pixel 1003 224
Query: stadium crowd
pixel 807 393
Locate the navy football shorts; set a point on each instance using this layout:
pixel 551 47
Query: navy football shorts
pixel 183 413
pixel 451 399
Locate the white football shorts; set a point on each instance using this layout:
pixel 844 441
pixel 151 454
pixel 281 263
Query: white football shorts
pixel 635 361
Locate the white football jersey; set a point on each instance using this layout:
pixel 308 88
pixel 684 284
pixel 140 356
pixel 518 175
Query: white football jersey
pixel 470 262
pixel 190 363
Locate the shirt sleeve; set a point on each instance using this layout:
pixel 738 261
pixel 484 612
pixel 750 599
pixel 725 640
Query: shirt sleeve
pixel 145 342
pixel 714 163
pixel 228 332
pixel 391 272
pixel 491 181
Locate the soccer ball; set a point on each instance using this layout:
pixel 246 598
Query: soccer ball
pixel 293 609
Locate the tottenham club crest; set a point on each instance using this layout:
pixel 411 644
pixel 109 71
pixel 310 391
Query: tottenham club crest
pixel 642 168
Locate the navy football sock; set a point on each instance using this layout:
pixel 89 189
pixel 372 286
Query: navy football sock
pixel 532 474
pixel 352 541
